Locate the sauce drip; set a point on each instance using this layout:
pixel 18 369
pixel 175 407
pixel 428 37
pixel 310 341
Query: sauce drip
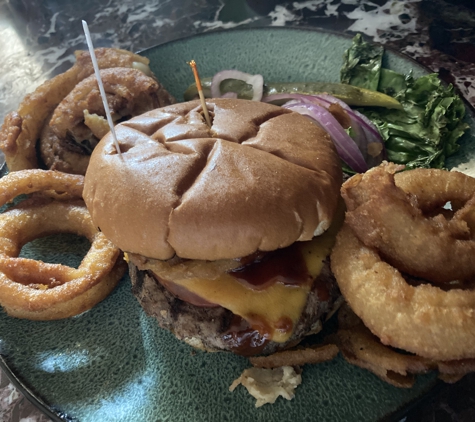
pixel 324 283
pixel 285 266
pixel 249 339
pixel 243 339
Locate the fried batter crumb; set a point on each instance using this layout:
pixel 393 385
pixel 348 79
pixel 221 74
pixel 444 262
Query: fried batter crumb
pixel 268 384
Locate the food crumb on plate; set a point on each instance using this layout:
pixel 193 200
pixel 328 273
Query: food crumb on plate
pixel 268 384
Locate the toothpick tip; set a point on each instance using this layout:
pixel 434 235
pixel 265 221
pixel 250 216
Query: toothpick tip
pixel 194 68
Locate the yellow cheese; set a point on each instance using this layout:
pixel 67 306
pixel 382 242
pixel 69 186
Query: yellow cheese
pixel 316 250
pixel 275 310
pixel 269 309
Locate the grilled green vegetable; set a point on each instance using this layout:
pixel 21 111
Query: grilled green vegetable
pixel 428 127
pixel 351 95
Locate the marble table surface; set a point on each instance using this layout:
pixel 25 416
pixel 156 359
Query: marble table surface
pixel 40 36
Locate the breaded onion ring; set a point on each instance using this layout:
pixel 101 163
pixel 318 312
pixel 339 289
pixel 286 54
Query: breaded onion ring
pixel 62 154
pixel 129 92
pixel 21 129
pixel 391 219
pixel 297 356
pixel 423 319
pixel 26 182
pixel 37 290
pixel 433 188
pixel 361 348
pixel 78 122
pixel 41 291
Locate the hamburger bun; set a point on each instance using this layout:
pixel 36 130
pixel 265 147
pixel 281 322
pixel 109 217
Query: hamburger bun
pixel 193 205
pixel 261 178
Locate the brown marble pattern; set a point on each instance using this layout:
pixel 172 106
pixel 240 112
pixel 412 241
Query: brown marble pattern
pixel 14 406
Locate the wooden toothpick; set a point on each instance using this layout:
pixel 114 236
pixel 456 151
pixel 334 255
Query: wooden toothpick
pixel 101 85
pixel 200 91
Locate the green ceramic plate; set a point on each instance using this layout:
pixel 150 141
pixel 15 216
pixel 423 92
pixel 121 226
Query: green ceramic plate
pixel 113 363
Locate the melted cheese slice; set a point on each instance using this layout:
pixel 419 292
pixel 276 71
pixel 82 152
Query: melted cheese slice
pixel 316 250
pixel 275 310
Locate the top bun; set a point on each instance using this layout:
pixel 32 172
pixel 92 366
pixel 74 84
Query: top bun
pixel 261 178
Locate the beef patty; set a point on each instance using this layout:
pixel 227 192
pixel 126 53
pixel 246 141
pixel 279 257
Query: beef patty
pixel 218 329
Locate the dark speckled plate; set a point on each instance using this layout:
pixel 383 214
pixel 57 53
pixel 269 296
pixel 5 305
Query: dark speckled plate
pixel 113 363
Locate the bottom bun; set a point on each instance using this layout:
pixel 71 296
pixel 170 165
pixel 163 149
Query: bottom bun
pixel 218 329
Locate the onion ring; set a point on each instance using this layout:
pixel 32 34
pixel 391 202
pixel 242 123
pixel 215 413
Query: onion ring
pixel 21 128
pixel 36 290
pixel 435 187
pixel 78 122
pixel 391 219
pixel 423 319
pixel 361 348
pixel 298 356
pixel 62 154
pixel 25 182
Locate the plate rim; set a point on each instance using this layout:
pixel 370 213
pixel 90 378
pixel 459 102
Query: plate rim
pixel 395 416
pixel 33 397
pixel 306 28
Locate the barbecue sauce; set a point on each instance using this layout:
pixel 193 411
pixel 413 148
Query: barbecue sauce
pixel 245 340
pixel 285 266
pixel 268 292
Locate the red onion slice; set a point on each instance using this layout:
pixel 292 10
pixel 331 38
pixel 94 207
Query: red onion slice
pixel 361 118
pixel 257 82
pixel 345 146
pixel 328 99
pixel 365 134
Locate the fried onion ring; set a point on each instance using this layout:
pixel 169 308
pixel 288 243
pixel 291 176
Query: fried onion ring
pixel 78 122
pixel 129 93
pixel 25 182
pixel 361 348
pixel 296 357
pixel 21 129
pixel 36 290
pixel 391 219
pixel 423 319
pixel 62 154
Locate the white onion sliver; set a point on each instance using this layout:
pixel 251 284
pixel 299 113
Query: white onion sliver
pixel 229 95
pixel 257 82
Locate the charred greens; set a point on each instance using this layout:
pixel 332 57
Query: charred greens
pixel 428 127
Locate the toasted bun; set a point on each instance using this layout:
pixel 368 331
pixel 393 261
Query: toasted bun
pixel 261 178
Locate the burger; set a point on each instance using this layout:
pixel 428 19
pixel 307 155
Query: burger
pixel 225 228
